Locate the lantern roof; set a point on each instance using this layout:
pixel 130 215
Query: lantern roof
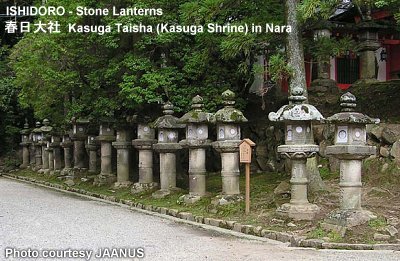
pixel 197 115
pixel 46 128
pixel 168 121
pixel 348 113
pixel 37 127
pixel 229 114
pixel 25 130
pixel 297 110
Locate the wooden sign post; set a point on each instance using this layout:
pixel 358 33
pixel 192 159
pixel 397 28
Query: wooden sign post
pixel 245 149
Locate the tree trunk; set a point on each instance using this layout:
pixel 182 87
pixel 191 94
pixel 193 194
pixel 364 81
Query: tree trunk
pixel 295 53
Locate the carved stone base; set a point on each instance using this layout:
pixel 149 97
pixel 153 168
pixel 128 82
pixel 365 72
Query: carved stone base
pixel 349 218
pixel 55 173
pixel 142 187
pixel 298 212
pixel 122 184
pixel 221 200
pixel 190 198
pixel 162 193
pixel 104 179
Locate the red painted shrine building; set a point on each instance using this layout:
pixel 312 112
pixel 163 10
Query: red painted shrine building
pixel 377 55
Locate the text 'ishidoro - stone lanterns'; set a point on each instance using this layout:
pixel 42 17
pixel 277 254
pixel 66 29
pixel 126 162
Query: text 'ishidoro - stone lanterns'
pixel 227 144
pixel 143 143
pixel 196 141
pixel 106 137
pixel 299 145
pixel 46 129
pixel 350 148
pixel 37 138
pixel 25 143
pixel 168 127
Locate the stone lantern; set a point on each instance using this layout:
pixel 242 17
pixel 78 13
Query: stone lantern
pixel 106 137
pixel 55 146
pixel 37 138
pixel 350 148
pixel 228 120
pixel 79 135
pixel 46 129
pixel 92 146
pixel 196 141
pixel 25 143
pixel 168 127
pixel 368 44
pixel 299 145
pixel 67 144
pixel 123 145
pixel 143 143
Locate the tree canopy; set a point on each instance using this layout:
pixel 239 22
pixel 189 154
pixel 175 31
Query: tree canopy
pixel 66 74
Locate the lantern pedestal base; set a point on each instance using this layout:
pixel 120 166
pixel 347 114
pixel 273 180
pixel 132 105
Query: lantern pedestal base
pixel 349 218
pixel 55 173
pixel 67 172
pixel 190 198
pixel 104 179
pixel 306 211
pixel 162 193
pixel 141 187
pixel 122 184
pixel 221 200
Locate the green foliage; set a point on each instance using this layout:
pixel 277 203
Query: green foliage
pixel 67 74
pixel 377 223
pixel 11 114
pixel 279 68
pixel 323 48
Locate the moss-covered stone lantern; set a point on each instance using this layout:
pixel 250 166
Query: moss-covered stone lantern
pixel 123 145
pixel 228 120
pixel 196 141
pixel 106 137
pixel 37 138
pixel 67 144
pixel 144 143
pixel 350 148
pixel 78 137
pixel 54 147
pixel 168 127
pixel 25 143
pixel 92 146
pixel 46 137
pixel 299 145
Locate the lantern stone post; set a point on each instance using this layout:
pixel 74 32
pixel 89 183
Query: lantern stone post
pixel 143 143
pixel 106 137
pixel 299 145
pixel 79 135
pixel 55 145
pixel 350 148
pixel 46 129
pixel 92 147
pixel 25 143
pixel 228 120
pixel 196 141
pixel 37 138
pixel 369 43
pixel 67 144
pixel 123 145
pixel 51 157
pixel 167 146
